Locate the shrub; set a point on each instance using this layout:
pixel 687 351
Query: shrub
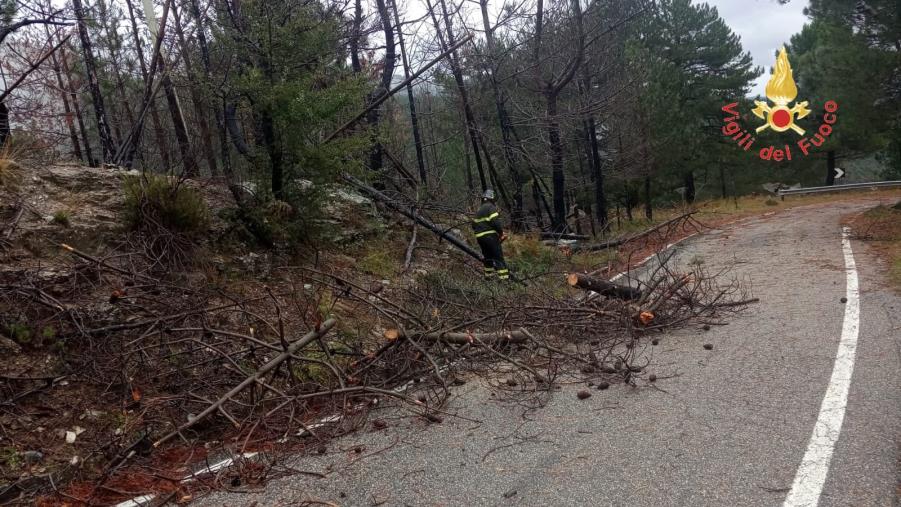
pixel 154 201
pixel 772 202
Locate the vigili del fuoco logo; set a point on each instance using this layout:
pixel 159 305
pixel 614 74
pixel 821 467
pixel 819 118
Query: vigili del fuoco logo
pixel 781 116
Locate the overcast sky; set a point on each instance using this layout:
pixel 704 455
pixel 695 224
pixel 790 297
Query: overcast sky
pixel 764 26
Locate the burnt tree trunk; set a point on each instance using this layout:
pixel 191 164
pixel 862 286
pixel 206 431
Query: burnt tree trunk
pixel 189 163
pixel 414 119
pixel 355 37
pixel 114 42
pixel 76 106
pixel 161 140
pixel 468 115
pixel 648 209
pixel 689 181
pixel 4 124
pixel 722 180
pixel 374 117
pixel 196 100
pixel 500 99
pixel 558 177
pixel 207 74
pixel 67 108
pixel 552 89
pixel 108 150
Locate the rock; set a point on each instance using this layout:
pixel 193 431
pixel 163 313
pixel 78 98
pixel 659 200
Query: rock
pixel 9 347
pixel 655 341
pixel 602 386
pixel 652 378
pixel 708 346
pixel 583 395
pixel 32 457
pixel 844 300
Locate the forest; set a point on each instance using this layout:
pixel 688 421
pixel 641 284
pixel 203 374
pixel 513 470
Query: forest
pixel 234 226
pixel 564 108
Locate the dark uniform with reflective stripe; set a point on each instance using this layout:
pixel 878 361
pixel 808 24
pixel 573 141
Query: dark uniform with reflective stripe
pixel 488 229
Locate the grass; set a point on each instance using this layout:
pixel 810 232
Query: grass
pixel 61 218
pixel 379 262
pixel 881 227
pixel 10 174
pixel 10 459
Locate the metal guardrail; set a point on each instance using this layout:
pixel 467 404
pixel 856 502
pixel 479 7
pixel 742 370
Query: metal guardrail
pixel 838 188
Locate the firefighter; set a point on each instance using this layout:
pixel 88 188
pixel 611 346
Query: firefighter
pixel 490 233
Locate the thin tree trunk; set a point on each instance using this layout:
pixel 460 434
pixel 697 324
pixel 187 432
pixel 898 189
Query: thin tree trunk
pixel 76 105
pixel 468 116
pixel 503 118
pixel 5 131
pixel 196 99
pixel 161 141
pixel 207 74
pixel 552 89
pixel 355 37
pixel 70 120
pixel 114 41
pixel 648 209
pixel 689 179
pixel 374 115
pixel 108 150
pixel 558 178
pixel 722 179
pixel 414 119
pixel 468 167
pixel 178 120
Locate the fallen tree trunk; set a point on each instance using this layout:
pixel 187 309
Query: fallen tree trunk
pixel 622 241
pixel 518 336
pixel 603 287
pixel 559 236
pixel 412 215
pixel 253 379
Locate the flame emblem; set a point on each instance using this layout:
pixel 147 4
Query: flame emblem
pixel 781 89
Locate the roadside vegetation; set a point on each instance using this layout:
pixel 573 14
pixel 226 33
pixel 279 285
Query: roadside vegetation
pixel 880 227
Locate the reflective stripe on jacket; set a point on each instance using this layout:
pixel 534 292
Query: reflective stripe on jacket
pixel 487 221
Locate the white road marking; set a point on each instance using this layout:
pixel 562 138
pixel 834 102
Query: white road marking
pixel 811 475
pixel 653 255
pixel 139 501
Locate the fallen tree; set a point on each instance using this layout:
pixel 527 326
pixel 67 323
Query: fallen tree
pixel 497 337
pixel 413 215
pixel 669 226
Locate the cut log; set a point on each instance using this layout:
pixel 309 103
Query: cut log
pixel 518 336
pixel 603 287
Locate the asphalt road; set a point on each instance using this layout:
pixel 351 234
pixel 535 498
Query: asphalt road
pixel 729 426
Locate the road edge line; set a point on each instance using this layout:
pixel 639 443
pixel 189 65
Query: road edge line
pixel 814 468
